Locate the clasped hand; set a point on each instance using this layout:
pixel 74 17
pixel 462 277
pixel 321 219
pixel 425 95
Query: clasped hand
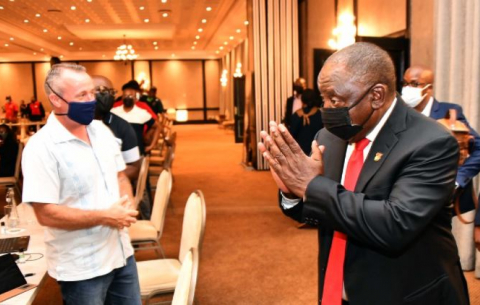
pixel 120 214
pixel 291 168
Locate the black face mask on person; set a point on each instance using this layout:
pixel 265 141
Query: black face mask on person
pixel 104 104
pixel 338 120
pixel 128 101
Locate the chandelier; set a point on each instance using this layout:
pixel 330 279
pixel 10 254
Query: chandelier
pixel 125 52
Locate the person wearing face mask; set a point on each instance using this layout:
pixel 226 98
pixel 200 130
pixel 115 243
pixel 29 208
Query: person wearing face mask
pixel 377 184
pixel 8 151
pixel 294 102
pixel 418 94
pixel 123 131
pixel 73 176
pixel 138 103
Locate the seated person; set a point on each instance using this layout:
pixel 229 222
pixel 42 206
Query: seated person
pixel 306 121
pixel 8 151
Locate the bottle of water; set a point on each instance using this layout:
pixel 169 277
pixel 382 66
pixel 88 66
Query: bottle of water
pixel 13 218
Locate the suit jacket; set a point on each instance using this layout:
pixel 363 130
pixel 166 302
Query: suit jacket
pixel 471 167
pixel 400 249
pixel 287 119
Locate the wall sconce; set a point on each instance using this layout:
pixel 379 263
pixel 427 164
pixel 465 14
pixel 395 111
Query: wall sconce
pixel 223 79
pixel 143 81
pixel 171 112
pixel 182 115
pixel 238 71
pixel 344 33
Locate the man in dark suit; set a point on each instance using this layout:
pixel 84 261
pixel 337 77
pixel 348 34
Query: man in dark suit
pixel 418 93
pixel 395 221
pixel 294 102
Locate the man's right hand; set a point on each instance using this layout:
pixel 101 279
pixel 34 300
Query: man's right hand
pixel 120 214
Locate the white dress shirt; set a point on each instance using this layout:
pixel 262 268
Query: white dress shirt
pixel 61 169
pixel 297 103
pixel 428 108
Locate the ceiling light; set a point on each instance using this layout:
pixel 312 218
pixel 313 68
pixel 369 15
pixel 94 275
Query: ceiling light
pixel 6 44
pixel 164 1
pixel 217 52
pixel 173 55
pixel 45 30
pixel 12 39
pixel 155 43
pixel 87 20
pixel 246 22
pixel 61 56
pixel 204 20
pixel 225 43
pixel 165 15
pixel 238 30
pixel 80 49
pixel 90 1
pixel 59 37
pixel 73 8
pixel 12 0
pixel 71 43
pixel 231 37
pixel 156 47
pixel 209 8
pixel 197 37
pixel 221 48
pixel 26 20
pixel 41 49
pixel 195 42
pixel 146 20
pixel 37 15
pixel 142 8
pixel 1 7
pixel 34 53
pixel 125 52
pixel 103 55
pixel 193 47
pixel 200 30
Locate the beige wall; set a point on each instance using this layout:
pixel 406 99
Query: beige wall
pixel 212 83
pixel 422 48
pixel 380 18
pixel 142 74
pixel 17 82
pixel 118 72
pixel 41 70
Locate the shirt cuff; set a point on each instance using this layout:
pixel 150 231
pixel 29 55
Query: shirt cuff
pixel 288 203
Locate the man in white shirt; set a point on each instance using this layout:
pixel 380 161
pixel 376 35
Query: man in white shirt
pixel 74 179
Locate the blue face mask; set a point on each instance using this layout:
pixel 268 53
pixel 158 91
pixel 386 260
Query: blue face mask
pixel 80 112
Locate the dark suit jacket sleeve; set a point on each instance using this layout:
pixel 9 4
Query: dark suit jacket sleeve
pixel 471 167
pixel 423 181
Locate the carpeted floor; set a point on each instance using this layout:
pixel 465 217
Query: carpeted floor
pixel 251 254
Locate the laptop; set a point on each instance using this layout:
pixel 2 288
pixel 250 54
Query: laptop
pixel 12 281
pixel 14 244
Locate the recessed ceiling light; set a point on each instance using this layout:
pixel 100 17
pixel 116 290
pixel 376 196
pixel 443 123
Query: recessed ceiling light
pixel 209 8
pixel 155 43
pixel 204 20
pixel 225 43
pixel 165 15
pixel 200 30
pixel 146 20
pixel 61 56
pixel 156 47
pixel 1 7
pixel 173 55
pixel 26 20
pixel 238 30
pixel 197 37
pixel 246 22
pixel 73 8
pixel 193 47
pixel 45 30
pixel 6 44
pixel 231 37
pixel 59 37
pixel 37 15
pixel 217 52
pixel 142 8
pixel 34 53
pixel 89 0
pixel 80 49
pixel 221 48
pixel 12 0
pixel 194 42
pixel 164 1
pixel 103 55
pixel 12 39
pixel 71 43
pixel 87 20
pixel 41 49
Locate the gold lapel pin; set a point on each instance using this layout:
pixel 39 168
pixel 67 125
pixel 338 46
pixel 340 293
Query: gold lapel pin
pixel 378 156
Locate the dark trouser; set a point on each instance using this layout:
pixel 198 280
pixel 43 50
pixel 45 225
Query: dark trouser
pixel 117 287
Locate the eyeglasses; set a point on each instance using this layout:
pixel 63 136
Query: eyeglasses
pixel 413 84
pixel 103 89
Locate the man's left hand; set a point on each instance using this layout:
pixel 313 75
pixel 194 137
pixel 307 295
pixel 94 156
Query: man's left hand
pixel 288 161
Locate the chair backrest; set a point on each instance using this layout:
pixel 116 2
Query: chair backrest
pixel 187 279
pixel 142 180
pixel 18 162
pixel 193 224
pixel 160 202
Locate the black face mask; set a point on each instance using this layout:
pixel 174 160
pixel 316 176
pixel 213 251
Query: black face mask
pixel 128 101
pixel 338 121
pixel 298 89
pixel 104 104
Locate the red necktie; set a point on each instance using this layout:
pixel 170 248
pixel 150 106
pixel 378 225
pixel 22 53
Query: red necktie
pixel 333 287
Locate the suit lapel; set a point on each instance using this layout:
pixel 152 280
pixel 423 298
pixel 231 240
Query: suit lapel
pixel 383 144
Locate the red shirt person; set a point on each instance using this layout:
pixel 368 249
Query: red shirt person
pixel 11 110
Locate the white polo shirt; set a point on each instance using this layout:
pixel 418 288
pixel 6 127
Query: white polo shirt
pixel 59 168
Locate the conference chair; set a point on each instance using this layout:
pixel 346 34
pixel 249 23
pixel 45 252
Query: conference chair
pixel 141 181
pixel 149 232
pixel 160 276
pixel 15 180
pixel 170 142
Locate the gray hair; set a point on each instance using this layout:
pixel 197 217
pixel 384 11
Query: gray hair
pixel 367 64
pixel 54 76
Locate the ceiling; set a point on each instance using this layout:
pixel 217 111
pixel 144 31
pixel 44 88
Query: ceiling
pixel 33 30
